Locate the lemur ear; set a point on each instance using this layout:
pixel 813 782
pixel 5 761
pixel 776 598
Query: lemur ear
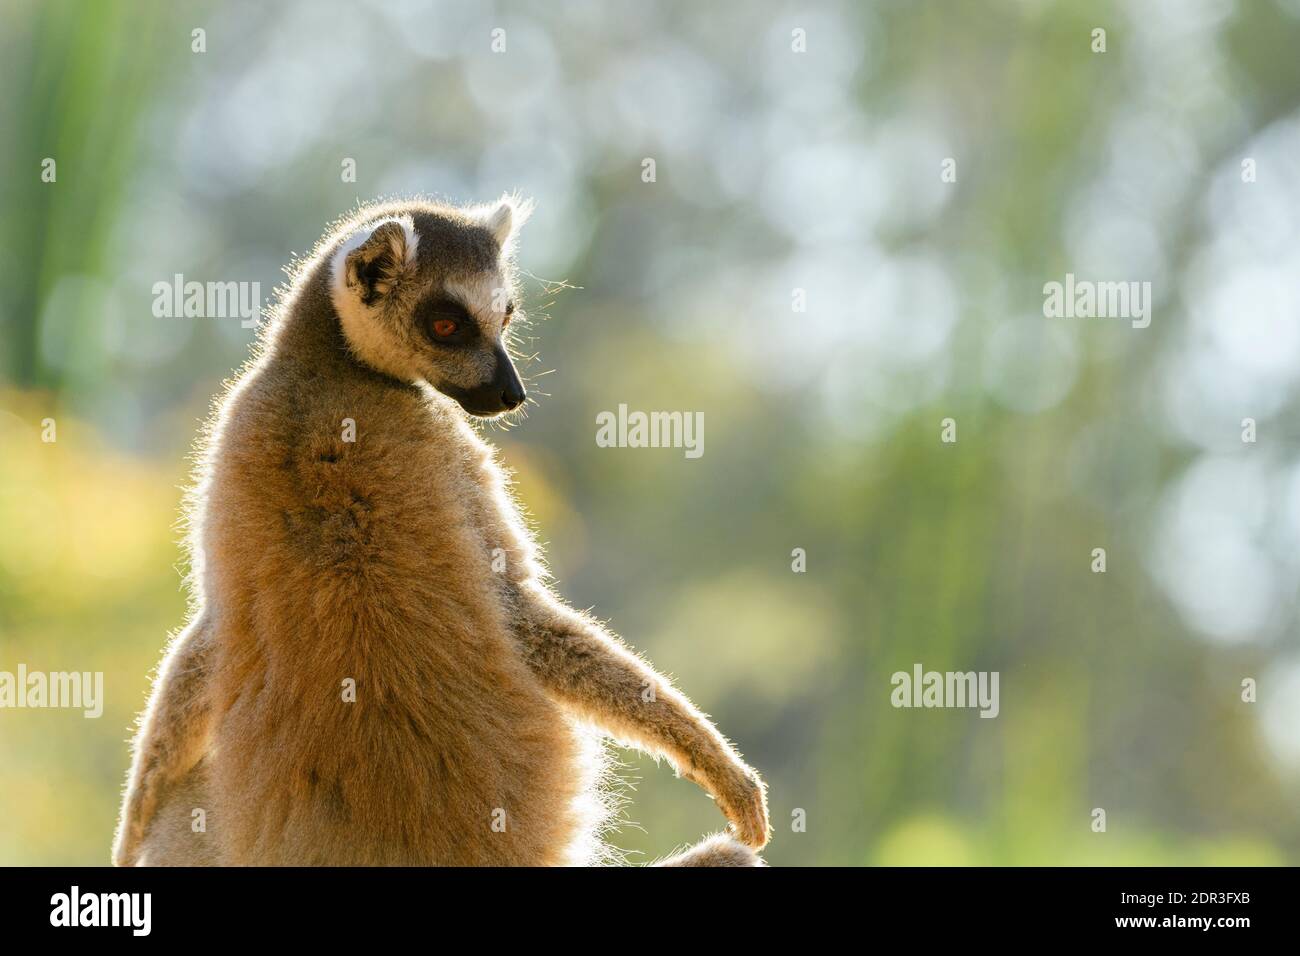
pixel 373 263
pixel 505 218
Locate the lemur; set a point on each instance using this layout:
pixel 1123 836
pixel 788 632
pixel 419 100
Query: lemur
pixel 376 669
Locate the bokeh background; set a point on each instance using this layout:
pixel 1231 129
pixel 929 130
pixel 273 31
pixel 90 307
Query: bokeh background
pixel 776 171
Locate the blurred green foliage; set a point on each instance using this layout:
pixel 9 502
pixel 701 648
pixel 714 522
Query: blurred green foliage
pixel 822 427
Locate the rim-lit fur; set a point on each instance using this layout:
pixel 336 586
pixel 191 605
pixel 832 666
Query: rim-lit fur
pixel 349 530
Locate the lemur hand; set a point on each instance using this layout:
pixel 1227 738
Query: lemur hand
pixel 739 792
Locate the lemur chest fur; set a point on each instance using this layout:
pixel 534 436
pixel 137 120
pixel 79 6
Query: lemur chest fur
pixel 385 655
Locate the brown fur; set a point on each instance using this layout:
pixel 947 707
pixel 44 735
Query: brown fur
pixel 318 560
pixel 718 850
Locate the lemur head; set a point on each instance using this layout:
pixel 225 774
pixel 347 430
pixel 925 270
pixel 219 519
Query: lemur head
pixel 425 293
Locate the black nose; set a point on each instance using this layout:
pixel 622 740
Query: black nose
pixel 513 396
pixel 507 380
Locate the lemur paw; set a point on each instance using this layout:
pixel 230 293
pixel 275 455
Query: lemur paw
pixel 750 821
pixel 743 798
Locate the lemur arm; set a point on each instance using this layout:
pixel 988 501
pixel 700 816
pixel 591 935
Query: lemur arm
pixel 595 675
pixel 173 734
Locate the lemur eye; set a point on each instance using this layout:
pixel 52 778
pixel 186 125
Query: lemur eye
pixel 445 321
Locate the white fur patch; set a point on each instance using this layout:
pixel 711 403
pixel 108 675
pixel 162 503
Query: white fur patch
pixel 372 341
pixel 339 262
pixel 498 222
pixel 504 218
pixel 486 296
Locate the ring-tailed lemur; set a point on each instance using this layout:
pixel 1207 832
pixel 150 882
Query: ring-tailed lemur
pixel 376 670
